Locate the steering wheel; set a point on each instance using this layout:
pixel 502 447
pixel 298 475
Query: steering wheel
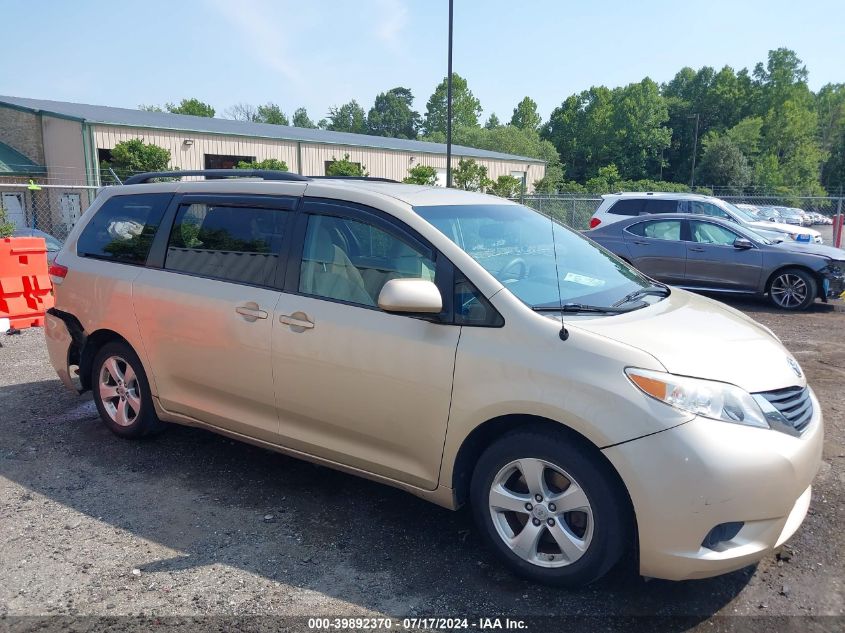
pixel 516 261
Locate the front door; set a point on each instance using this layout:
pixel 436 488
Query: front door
pixel 206 316
pixel 354 384
pixel 714 262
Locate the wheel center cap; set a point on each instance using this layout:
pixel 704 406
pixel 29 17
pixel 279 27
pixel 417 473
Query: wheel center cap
pixel 540 512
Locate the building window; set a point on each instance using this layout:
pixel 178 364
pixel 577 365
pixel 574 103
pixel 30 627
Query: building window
pixel 221 161
pixel 103 155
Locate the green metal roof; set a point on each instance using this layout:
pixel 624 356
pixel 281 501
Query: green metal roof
pixel 13 163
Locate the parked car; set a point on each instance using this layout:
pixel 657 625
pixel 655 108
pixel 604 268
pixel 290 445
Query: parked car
pixel 53 243
pixel 459 346
pixel 710 254
pixel 790 216
pixel 615 207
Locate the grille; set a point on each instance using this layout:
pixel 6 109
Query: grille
pixel 794 405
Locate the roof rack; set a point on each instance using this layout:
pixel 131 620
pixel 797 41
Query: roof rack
pixel 372 178
pixel 214 174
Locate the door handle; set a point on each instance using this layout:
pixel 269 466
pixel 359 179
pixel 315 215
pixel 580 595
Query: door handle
pixel 639 243
pixel 251 312
pixel 696 250
pixel 297 320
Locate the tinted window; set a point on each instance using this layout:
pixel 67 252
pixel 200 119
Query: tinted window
pixel 472 307
pixel 661 230
pixel 707 233
pixel 238 244
pixel 351 261
pixel 661 205
pixel 627 206
pixel 122 229
pixel 702 208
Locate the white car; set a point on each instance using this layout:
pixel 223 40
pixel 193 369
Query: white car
pixel 618 206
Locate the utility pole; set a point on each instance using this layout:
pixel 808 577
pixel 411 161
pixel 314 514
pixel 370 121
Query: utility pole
pixel 449 105
pixel 694 149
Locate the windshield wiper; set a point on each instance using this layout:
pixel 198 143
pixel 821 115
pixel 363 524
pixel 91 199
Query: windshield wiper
pixel 580 307
pixel 658 290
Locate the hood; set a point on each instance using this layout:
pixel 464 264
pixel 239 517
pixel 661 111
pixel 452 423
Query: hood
pixel 702 338
pixel 784 228
pixel 809 248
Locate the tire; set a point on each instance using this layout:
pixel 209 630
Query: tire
pixel 793 289
pixel 595 537
pixel 122 392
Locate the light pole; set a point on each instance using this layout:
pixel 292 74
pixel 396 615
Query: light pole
pixel 449 106
pixel 694 149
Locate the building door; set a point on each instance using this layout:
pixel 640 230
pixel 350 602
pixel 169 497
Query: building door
pixel 71 208
pixel 13 204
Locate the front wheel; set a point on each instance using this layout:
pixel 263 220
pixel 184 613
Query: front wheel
pixel 793 289
pixel 550 509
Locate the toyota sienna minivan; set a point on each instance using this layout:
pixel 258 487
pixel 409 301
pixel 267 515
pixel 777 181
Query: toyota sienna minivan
pixel 459 346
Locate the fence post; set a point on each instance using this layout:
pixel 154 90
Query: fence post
pixel 572 217
pixel 837 225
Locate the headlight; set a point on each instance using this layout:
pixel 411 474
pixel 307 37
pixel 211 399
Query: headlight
pixel 707 398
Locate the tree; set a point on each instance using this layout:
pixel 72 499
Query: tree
pixel 350 117
pixel 392 115
pixel 271 113
pixel 268 163
pixel 639 134
pixel 133 157
pixel 492 122
pixel 194 107
pixel 465 107
pixel 421 175
pixel 606 180
pixel 150 108
pixel 470 176
pixel 345 167
pixel 7 227
pixel 552 181
pixel 242 112
pixel 506 186
pixel 301 119
pixel 525 115
pixel 723 164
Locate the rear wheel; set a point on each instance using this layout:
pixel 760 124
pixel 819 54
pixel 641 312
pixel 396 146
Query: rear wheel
pixel 549 509
pixel 793 289
pixel 122 393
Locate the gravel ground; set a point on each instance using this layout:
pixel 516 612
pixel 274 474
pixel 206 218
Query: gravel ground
pixel 193 524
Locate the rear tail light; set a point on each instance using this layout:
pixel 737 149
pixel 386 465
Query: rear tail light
pixel 594 222
pixel 57 272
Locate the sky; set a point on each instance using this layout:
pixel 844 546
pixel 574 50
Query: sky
pixel 322 53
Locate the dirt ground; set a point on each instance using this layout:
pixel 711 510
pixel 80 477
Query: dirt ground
pixel 193 524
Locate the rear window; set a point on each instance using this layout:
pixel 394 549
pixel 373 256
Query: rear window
pixel 661 205
pixel 122 230
pixel 627 206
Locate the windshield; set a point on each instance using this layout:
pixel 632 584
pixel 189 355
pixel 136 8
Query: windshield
pixel 514 244
pixel 745 216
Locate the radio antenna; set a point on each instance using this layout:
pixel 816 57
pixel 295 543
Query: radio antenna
pixel 564 333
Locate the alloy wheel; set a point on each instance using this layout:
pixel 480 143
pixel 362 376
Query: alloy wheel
pixel 541 513
pixel 789 290
pixel 119 391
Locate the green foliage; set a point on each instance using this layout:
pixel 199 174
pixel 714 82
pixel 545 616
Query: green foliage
pixel 271 113
pixel 723 164
pixel 492 122
pixel 465 107
pixel 392 115
pixel 6 226
pixel 470 176
pixel 506 186
pixel 552 181
pixel 345 167
pixel 605 180
pixel 301 119
pixel 268 163
pixel 133 157
pixel 194 107
pixel 421 175
pixel 350 117
pixel 525 115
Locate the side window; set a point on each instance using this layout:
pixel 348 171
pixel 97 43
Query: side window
pixel 122 230
pixel 239 244
pixel 627 206
pixel 702 208
pixel 665 230
pixel 472 307
pixel 707 233
pixel 661 205
pixel 351 261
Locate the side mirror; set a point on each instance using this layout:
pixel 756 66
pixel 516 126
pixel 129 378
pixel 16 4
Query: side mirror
pixel 410 295
pixel 743 243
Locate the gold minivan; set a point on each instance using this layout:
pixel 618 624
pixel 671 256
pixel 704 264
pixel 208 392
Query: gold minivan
pixel 459 346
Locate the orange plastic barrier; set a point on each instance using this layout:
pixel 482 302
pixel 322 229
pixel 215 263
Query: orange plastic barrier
pixel 24 283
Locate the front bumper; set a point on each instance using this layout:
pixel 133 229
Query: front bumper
pixel 833 281
pixel 685 481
